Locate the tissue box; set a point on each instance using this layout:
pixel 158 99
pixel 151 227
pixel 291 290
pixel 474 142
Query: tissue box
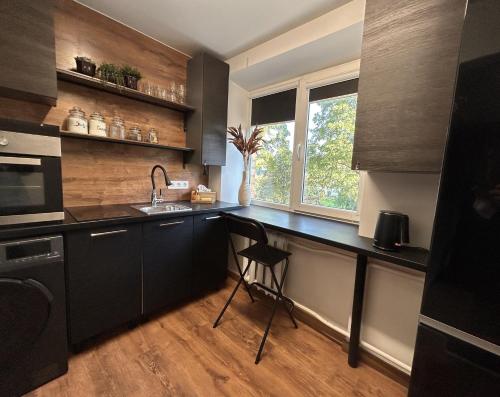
pixel 203 197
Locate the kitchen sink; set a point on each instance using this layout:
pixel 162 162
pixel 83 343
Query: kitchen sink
pixel 162 208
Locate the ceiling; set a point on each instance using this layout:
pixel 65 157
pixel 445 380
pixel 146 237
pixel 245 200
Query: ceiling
pixel 222 27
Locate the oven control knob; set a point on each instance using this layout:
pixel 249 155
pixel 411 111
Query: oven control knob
pixel 4 141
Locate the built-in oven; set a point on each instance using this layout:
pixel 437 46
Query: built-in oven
pixel 30 173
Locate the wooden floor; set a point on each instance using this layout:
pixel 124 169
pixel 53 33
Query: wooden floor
pixel 180 354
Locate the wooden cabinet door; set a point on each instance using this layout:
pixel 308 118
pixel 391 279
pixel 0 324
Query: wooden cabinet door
pixel 104 279
pixel 210 253
pixel 408 68
pixel 167 261
pixel 27 48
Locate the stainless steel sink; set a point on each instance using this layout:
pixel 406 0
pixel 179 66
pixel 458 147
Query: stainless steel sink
pixel 162 208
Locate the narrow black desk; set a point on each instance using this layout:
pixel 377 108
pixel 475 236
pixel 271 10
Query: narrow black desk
pixel 344 236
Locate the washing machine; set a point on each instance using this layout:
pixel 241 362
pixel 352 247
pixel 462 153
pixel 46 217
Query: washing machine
pixel 33 339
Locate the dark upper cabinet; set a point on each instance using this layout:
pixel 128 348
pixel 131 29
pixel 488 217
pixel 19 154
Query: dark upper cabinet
pixel 167 258
pixel 207 90
pixel 210 253
pixel 103 268
pixel 27 61
pixel 408 67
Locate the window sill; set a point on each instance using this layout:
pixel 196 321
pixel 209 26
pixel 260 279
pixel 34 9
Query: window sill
pixel 303 212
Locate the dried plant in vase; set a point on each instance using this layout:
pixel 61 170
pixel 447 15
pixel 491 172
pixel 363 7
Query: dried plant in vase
pixel 246 147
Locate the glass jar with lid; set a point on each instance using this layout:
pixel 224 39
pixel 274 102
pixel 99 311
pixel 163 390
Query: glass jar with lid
pixel 117 128
pixel 76 121
pixel 97 125
pixel 152 136
pixel 134 133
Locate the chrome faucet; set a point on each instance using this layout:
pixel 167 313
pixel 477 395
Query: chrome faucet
pixel 154 197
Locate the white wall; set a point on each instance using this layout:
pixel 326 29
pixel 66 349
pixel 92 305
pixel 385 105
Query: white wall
pixel 226 180
pixel 412 194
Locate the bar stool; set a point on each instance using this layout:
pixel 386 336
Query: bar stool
pixel 260 252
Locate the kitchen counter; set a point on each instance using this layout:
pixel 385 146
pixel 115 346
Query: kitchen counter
pixel 334 233
pixel 133 216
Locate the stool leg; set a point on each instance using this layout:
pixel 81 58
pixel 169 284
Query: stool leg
pixel 232 294
pixel 275 305
pixel 280 294
pixel 239 270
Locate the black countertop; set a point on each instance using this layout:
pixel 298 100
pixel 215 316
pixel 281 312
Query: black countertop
pixel 111 215
pixel 334 233
pixel 330 232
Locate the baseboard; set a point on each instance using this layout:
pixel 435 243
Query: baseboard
pixel 365 356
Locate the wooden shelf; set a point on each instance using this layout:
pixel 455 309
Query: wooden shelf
pixel 81 79
pixel 88 137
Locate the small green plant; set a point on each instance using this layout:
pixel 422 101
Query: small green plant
pixel 110 72
pixel 128 70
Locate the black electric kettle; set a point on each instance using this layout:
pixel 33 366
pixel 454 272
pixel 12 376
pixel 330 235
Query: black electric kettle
pixel 392 231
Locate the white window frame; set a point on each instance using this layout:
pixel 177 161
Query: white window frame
pixel 303 85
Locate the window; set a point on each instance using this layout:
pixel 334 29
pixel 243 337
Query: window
pixel 271 174
pixel 305 165
pixel 328 178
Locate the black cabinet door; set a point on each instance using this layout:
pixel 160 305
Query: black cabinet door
pixel 167 259
pixel 207 91
pixel 104 279
pixel 210 252
pixel 446 366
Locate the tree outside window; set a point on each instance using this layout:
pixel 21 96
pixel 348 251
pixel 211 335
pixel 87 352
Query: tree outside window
pixel 328 178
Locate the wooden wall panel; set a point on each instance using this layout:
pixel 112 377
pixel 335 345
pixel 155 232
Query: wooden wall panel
pixel 94 173
pixel 103 173
pixel 81 31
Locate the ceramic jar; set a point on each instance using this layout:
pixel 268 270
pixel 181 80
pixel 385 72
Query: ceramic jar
pixel 76 121
pixel 97 125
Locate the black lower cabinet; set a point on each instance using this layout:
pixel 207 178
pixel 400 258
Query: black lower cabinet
pixel 167 259
pixel 210 253
pixel 445 366
pixel 104 279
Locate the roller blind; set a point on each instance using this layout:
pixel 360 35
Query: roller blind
pixel 274 108
pixel 332 90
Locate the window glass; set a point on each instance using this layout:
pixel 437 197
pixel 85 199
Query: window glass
pixel 271 172
pixel 328 178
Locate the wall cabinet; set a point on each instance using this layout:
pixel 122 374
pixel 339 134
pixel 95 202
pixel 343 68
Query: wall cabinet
pixel 28 61
pixel 408 67
pixel 167 258
pixel 104 279
pixel 207 90
pixel 210 252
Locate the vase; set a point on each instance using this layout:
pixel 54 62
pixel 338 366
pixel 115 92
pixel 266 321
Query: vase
pixel 244 192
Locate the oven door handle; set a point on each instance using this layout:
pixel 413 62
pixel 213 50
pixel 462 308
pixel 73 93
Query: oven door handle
pixel 20 160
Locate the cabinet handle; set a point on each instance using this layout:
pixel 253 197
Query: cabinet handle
pixel 212 217
pixel 170 223
pixel 108 233
pixel 20 161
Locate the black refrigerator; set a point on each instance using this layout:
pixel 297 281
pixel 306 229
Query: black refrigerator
pixel 458 341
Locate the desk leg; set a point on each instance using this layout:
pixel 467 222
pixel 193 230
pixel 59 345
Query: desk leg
pixel 357 310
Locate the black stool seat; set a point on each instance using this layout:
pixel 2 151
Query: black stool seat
pixel 264 254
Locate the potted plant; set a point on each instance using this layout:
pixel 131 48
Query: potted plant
pixel 85 66
pixel 246 147
pixel 110 72
pixel 130 76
